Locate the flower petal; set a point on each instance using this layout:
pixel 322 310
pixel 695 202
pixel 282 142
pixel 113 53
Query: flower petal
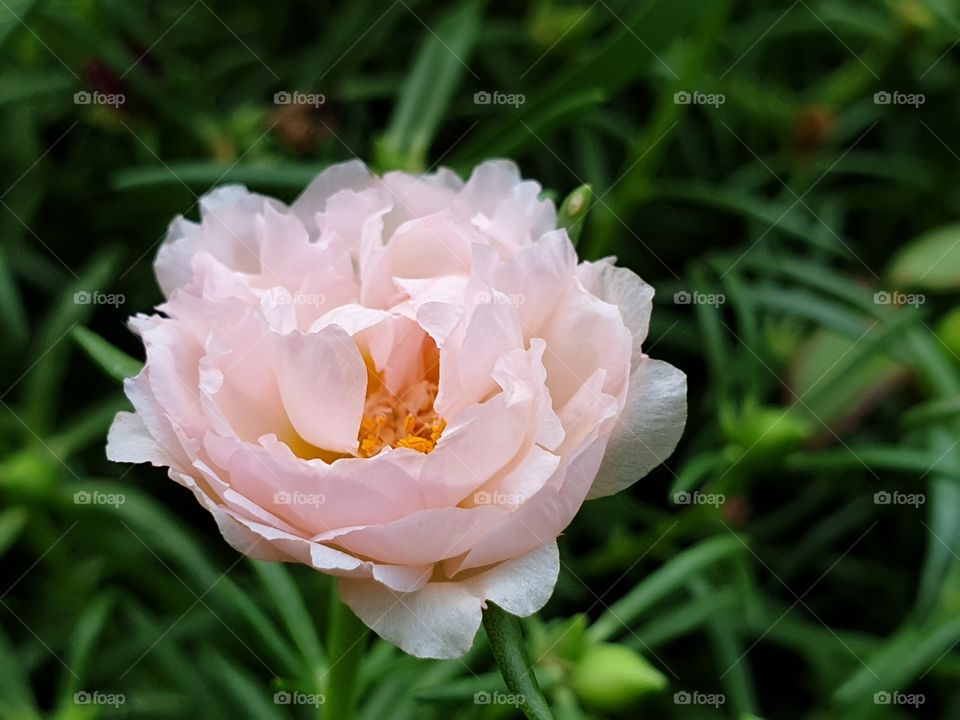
pixel 649 427
pixel 323 382
pixel 441 619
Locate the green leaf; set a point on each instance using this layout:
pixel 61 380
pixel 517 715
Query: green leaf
pixel 243 688
pixel 204 175
pixel 834 377
pixel 87 628
pixel 347 643
pixel 932 412
pixel 429 88
pixel 930 262
pixel 461 689
pixel 510 652
pixel 660 583
pixel 289 603
pixel 113 361
pixel 13 316
pixel 901 659
pixel 12 522
pixel 51 344
pixel 729 650
pixel 633 45
pixel 943 541
pixel 151 524
pixel 13 15
pixel 684 618
pixel 16 698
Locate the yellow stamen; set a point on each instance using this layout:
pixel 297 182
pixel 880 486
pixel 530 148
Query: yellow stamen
pixel 437 428
pixel 422 445
pixel 404 420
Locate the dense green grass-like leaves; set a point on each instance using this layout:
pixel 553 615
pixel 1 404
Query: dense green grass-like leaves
pixel 785 177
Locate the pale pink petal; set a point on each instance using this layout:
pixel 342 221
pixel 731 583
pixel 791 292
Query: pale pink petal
pixel 323 382
pixel 441 619
pixel 352 175
pixel 585 333
pixel 623 288
pixel 649 428
pixel 129 441
pixel 420 538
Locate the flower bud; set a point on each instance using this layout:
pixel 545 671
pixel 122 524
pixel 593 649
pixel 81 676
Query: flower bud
pixel 613 677
pixel 765 435
pixel 948 330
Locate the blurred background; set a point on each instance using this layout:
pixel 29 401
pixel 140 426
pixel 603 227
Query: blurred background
pixel 785 174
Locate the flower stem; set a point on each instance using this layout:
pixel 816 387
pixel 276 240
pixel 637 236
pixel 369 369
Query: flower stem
pixel 510 651
pixel 347 642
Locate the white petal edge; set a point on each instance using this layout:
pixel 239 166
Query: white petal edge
pixel 441 619
pixel 648 429
pixel 625 289
pixel 128 440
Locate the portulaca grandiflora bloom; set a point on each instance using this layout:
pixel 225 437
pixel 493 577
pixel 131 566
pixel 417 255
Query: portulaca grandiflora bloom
pixel 408 382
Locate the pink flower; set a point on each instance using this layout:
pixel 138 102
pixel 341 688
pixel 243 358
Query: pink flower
pixel 406 382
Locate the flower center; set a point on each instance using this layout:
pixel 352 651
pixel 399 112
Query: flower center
pixel 406 419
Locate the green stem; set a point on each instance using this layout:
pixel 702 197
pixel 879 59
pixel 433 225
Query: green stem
pixel 510 651
pixel 347 643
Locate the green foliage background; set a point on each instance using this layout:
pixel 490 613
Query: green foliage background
pixel 797 594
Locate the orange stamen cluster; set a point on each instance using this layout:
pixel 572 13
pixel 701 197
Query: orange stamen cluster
pixel 407 420
pixel 416 435
pixel 424 438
